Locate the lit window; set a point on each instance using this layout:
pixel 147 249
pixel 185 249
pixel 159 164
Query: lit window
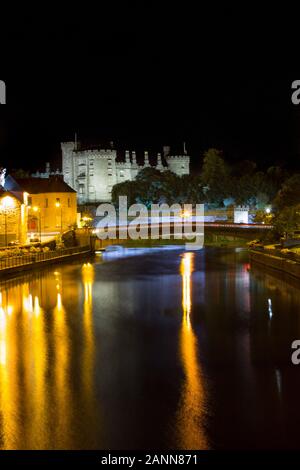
pixel 29 200
pixel 69 202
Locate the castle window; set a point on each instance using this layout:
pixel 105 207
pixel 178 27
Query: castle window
pixel 121 174
pixel 183 166
pixel 46 202
pixel 69 202
pixel 81 189
pixel 29 201
pixel 92 189
pixel 91 174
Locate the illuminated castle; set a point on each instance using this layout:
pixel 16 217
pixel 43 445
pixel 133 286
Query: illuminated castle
pixel 93 173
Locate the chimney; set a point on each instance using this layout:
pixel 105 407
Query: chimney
pixel 127 156
pixel 48 168
pixel 134 157
pixel 158 159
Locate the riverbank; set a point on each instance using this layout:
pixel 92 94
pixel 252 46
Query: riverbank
pixel 287 266
pixel 17 264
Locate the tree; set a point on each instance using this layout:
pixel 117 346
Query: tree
pixel 287 220
pixel 215 176
pixel 128 188
pixel 289 195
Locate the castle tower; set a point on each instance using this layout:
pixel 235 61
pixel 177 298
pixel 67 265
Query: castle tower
pixel 68 151
pixel 179 164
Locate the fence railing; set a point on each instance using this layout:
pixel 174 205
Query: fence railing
pixel 31 258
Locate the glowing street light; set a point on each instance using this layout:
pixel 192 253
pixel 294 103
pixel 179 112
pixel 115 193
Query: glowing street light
pixel 6 203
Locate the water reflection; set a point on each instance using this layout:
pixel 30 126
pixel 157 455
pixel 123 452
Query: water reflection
pixel 192 401
pixel 112 355
pixel 37 400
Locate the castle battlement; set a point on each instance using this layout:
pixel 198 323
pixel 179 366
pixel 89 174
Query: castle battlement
pixel 92 153
pixel 177 157
pixel 94 178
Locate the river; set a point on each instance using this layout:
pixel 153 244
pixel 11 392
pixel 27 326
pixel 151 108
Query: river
pixel 150 349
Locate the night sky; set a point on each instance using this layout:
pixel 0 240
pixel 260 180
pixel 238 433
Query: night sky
pixel 143 78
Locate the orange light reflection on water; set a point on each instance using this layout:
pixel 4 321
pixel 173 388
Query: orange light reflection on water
pixel 192 402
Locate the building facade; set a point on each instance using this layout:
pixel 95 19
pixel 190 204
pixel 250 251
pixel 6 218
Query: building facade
pixel 13 217
pixel 51 204
pixel 93 173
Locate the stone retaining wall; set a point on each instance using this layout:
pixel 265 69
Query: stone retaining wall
pixel 280 264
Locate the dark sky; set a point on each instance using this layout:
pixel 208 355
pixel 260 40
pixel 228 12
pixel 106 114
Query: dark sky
pixel 143 77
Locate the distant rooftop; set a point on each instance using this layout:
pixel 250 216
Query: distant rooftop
pixel 54 184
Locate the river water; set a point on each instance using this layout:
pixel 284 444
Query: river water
pixel 142 349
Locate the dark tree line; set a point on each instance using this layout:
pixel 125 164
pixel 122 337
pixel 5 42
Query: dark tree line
pixel 218 184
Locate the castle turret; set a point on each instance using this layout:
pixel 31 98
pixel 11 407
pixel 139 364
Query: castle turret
pixel 133 158
pixel 166 150
pixel 159 165
pixel 146 158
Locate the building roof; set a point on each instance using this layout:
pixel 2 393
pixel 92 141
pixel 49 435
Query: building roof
pixel 54 184
pixel 15 194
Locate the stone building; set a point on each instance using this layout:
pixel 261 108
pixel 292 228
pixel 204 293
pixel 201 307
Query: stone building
pixel 13 217
pixel 93 173
pixel 51 203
